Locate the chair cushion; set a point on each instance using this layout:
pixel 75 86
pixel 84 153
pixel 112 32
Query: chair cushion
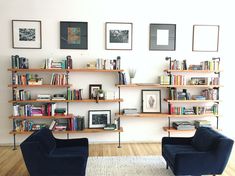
pixel 171 150
pixel 70 151
pixel 204 139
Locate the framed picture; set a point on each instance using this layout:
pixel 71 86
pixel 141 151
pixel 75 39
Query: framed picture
pixel 99 118
pixel 162 37
pixel 93 88
pixel 151 101
pixel 205 38
pixel 118 36
pixel 73 35
pixel 26 34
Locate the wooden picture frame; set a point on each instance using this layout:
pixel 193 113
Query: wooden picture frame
pixel 151 101
pixel 26 34
pixel 118 36
pixel 162 37
pixel 99 118
pixel 205 38
pixel 73 35
pixel 92 90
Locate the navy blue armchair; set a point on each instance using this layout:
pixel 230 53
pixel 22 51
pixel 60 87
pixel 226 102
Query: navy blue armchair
pixel 206 153
pixel 45 155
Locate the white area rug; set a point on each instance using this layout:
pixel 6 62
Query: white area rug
pixel 127 166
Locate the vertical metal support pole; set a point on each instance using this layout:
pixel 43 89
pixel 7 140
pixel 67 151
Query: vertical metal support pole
pixel 14 138
pixel 169 125
pixel 67 135
pixel 67 78
pixel 119 119
pixel 217 122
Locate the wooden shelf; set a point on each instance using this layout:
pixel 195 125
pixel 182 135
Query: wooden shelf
pixel 192 116
pixel 43 117
pixel 87 130
pixel 40 86
pixel 192 101
pixel 195 86
pixel 143 85
pixel 171 129
pixel 66 101
pixel 92 70
pixel 193 71
pixel 143 115
pixel 62 70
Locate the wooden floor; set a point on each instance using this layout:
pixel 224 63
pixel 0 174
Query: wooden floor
pixel 12 164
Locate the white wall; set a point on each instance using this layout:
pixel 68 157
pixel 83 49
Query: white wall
pixel 149 64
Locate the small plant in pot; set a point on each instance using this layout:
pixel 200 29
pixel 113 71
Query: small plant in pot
pixel 100 94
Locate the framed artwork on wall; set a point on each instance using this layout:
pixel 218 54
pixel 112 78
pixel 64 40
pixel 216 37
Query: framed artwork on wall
pixel 73 35
pixel 26 34
pixel 162 37
pixel 118 36
pixel 99 118
pixel 93 88
pixel 205 38
pixel 151 101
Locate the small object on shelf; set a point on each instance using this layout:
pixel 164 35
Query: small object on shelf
pixel 164 80
pixel 132 72
pixel 198 97
pixel 43 97
pixel 130 111
pixel 183 125
pixel 58 97
pixel 110 127
pixel 202 123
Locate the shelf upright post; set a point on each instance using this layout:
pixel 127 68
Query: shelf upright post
pixel 119 111
pixel 67 80
pixel 13 119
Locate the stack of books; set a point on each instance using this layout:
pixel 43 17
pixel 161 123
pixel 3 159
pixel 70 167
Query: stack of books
pixel 130 111
pixel 19 62
pixel 202 123
pixel 164 80
pixel 43 97
pixel 183 125
pixel 58 97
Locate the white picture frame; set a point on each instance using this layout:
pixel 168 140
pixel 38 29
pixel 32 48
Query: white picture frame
pixel 118 36
pixel 26 34
pixel 205 38
pixel 99 118
pixel 151 101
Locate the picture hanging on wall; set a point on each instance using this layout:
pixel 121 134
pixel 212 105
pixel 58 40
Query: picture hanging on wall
pixel 73 35
pixel 162 37
pixel 118 36
pixel 26 34
pixel 151 101
pixel 205 38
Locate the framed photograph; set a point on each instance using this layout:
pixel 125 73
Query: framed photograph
pixel 26 34
pixel 205 38
pixel 99 118
pixel 162 37
pixel 118 36
pixel 93 88
pixel 151 101
pixel 73 35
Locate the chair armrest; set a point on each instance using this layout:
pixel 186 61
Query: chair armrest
pixel 82 142
pixel 176 140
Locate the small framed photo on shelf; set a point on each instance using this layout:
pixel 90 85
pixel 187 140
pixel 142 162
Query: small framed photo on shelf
pixel 73 35
pixel 151 101
pixel 162 37
pixel 118 36
pixel 26 34
pixel 99 118
pixel 205 38
pixel 93 90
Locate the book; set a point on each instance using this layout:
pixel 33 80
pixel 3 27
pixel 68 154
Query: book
pixel 52 125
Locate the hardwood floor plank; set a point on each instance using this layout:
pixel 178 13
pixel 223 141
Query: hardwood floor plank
pixel 12 163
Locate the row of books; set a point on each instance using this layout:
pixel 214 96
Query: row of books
pixel 108 64
pixel 47 109
pixel 195 110
pixel 204 81
pixel 210 65
pixel 59 79
pixel 75 94
pixel 20 94
pixel 164 80
pixel 174 94
pixel 19 62
pixel 55 64
pixel 76 123
pixel 178 65
pixel 27 125
pixel 210 94
pixel 177 80
pixel 186 125
pixel 26 79
pixel 122 79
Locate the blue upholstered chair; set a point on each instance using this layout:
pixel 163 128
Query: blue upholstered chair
pixel 206 153
pixel 44 155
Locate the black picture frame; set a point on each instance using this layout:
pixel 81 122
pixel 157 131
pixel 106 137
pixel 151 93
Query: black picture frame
pixel 73 35
pixel 118 36
pixel 151 101
pixel 162 37
pixel 92 89
pixel 26 34
pixel 99 118
pixel 205 38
